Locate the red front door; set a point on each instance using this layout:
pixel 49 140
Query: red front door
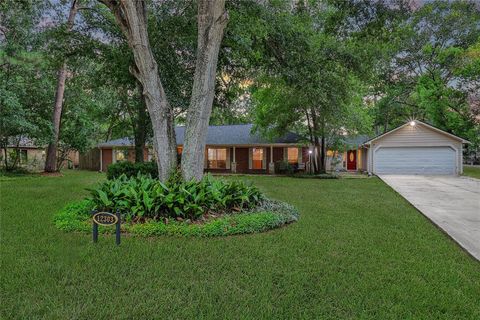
pixel 352 160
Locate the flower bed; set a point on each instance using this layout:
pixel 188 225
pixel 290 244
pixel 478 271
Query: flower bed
pixel 207 208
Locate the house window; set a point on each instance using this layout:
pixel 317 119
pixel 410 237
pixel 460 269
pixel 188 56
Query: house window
pixel 23 156
pixel 292 155
pixel 257 158
pixel 121 155
pixel 217 158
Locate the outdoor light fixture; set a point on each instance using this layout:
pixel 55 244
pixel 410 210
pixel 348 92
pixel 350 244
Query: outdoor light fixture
pixel 310 151
pixel 412 123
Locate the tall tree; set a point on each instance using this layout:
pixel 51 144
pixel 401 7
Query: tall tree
pixel 22 95
pixel 51 160
pixel 212 19
pixel 432 74
pixel 131 16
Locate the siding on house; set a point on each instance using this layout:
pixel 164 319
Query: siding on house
pixel 106 158
pixel 418 135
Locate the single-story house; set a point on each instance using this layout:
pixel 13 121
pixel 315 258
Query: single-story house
pixel 413 148
pixel 229 148
pixel 31 155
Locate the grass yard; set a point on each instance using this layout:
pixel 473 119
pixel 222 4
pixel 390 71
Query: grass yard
pixel 358 251
pixel 470 171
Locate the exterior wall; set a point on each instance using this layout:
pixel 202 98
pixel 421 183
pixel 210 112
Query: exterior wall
pixel 416 136
pixel 35 158
pixel 364 159
pixel 242 155
pixel 108 154
pixel 106 158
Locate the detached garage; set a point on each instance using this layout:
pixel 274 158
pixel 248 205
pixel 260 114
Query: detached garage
pixel 415 148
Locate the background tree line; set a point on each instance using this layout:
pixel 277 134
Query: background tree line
pixel 320 68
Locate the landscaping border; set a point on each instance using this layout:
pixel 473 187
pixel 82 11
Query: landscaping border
pixel 270 214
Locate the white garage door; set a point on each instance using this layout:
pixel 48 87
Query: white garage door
pixel 418 160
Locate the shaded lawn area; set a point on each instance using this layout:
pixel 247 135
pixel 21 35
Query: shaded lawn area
pixel 473 172
pixel 358 251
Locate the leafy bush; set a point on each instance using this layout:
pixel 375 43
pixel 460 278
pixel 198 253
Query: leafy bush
pixel 141 197
pixel 283 167
pixel 129 169
pixel 267 215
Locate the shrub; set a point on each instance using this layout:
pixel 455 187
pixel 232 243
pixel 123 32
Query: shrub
pixel 267 215
pixel 141 197
pixel 283 167
pixel 130 169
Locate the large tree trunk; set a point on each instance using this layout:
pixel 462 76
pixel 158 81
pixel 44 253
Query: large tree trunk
pixel 212 19
pixel 5 151
pixel 140 128
pixel 51 160
pixel 323 157
pixel 131 16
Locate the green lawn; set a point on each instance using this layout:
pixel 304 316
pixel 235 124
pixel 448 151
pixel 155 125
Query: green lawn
pixel 358 251
pixel 473 172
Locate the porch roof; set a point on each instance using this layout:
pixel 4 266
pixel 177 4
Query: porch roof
pixel 238 134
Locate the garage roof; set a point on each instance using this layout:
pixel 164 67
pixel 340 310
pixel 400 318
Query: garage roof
pixel 416 122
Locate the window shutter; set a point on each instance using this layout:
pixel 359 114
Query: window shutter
pixel 300 155
pixel 114 156
pixel 228 159
pixel 264 160
pixel 285 154
pixel 250 155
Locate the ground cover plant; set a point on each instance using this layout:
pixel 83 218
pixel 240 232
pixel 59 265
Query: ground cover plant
pixel 359 251
pixel 210 207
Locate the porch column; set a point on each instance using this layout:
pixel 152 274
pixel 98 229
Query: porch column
pixel 271 165
pixel 234 162
pixel 101 159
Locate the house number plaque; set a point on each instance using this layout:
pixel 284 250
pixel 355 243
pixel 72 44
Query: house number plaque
pixel 106 219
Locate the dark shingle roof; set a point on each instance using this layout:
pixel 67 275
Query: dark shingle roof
pixel 237 134
pixel 355 140
pixel 25 142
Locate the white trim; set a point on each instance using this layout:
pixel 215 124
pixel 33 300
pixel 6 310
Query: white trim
pixel 264 160
pixel 421 123
pixel 250 160
pixel 101 159
pixel 227 156
pixel 457 165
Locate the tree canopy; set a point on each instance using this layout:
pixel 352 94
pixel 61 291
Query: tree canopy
pixel 321 68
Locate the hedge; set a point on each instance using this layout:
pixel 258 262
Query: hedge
pixel 132 169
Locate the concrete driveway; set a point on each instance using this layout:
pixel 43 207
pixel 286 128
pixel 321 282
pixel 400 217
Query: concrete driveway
pixel 452 203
